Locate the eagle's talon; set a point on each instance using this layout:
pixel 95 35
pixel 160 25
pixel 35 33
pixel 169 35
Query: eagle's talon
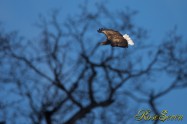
pixel 113 45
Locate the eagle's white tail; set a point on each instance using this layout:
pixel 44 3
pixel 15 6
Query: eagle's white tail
pixel 129 40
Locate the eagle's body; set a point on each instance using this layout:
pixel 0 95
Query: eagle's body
pixel 115 39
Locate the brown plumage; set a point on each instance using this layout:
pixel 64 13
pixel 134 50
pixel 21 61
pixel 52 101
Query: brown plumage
pixel 115 39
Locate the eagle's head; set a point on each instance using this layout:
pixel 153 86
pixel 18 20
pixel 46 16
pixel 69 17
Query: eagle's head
pixel 100 30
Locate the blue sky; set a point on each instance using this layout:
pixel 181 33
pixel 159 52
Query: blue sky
pixel 157 16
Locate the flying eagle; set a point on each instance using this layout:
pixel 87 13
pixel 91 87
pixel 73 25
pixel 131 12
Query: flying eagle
pixel 115 39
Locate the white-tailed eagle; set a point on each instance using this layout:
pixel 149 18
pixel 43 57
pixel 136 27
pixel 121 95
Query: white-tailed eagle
pixel 115 39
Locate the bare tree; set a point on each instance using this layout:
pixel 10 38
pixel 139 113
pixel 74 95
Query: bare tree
pixel 66 77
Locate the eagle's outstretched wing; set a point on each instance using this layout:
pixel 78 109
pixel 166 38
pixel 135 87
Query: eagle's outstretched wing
pixel 111 34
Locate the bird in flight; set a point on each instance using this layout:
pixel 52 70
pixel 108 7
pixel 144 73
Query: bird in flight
pixel 115 39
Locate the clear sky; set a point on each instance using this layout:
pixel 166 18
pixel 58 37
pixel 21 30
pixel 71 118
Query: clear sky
pixel 157 16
